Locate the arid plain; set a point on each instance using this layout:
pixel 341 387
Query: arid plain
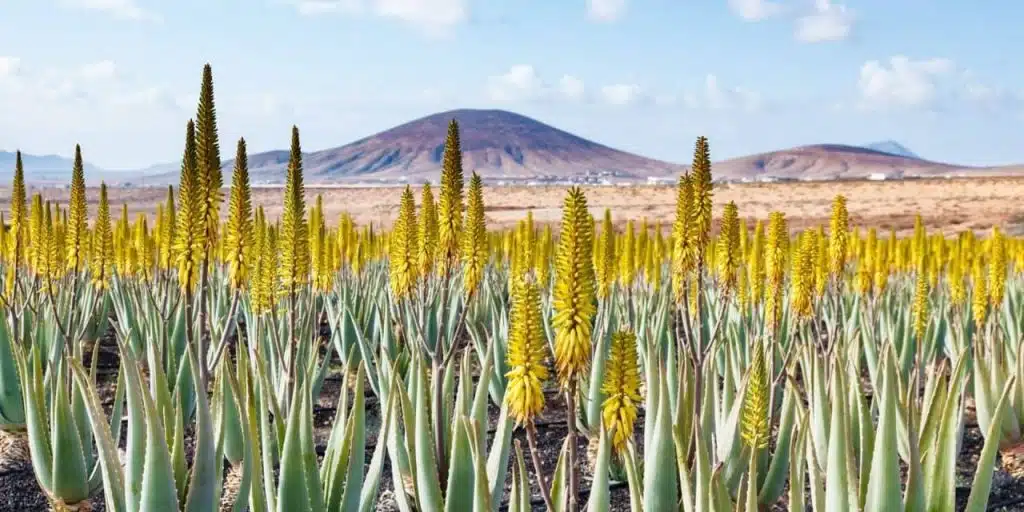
pixel 949 205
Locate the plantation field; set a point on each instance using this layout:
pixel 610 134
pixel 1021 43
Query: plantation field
pixel 947 205
pixel 815 346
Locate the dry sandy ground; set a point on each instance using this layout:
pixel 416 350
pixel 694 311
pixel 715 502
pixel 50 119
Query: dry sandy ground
pixel 950 205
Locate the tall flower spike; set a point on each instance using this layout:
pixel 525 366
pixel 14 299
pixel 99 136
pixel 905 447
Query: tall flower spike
pixel 19 212
pixel 997 268
pixel 239 225
pixel 77 222
pixel 755 265
pixel 802 282
pixel 102 257
pixel 167 230
pixel 294 240
pixel 450 207
pixel 702 201
pixel 527 355
pixel 627 263
pixel 838 232
pixel 729 247
pixel 574 292
pixel 754 427
pixel 474 247
pixel 606 270
pixel 190 230
pixel 621 386
pixel 979 293
pixel 775 265
pixel 402 246
pixel 35 233
pixel 920 308
pixel 683 252
pixel 208 160
pixel 428 231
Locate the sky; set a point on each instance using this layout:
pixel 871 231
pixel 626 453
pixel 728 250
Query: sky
pixel 121 77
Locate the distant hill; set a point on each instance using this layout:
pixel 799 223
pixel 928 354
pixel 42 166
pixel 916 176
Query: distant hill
pixel 892 147
pixel 55 169
pixel 502 145
pixel 495 143
pixel 837 161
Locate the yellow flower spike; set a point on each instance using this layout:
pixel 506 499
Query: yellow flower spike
pixel 208 164
pixel 997 268
pixel 19 213
pixel 755 264
pixel 238 230
pixel 821 256
pixel 294 239
pixel 474 246
pixel 640 248
pixel 101 259
pixel 683 252
pixel 979 293
pixel 450 205
pixel 754 426
pixel 403 248
pixel 428 231
pixel 881 275
pixel 864 276
pixel 77 230
pixel 729 248
pixel 700 232
pixel 621 387
pixel 838 233
pixel 955 283
pixel 606 261
pixel 167 232
pixel 542 261
pixel 627 264
pixel 527 355
pixel 35 233
pixel 574 293
pixel 802 282
pixel 775 267
pixel 47 246
pixel 190 231
pixel 920 308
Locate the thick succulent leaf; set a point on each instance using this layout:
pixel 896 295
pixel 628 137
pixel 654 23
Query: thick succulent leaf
pixel 600 498
pixel 111 470
pixel 981 487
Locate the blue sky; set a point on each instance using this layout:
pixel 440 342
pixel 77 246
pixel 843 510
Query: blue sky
pixel 121 76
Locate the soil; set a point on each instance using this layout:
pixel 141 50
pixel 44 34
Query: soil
pixel 20 492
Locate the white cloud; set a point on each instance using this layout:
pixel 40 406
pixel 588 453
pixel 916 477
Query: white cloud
pixel 122 9
pixel 572 87
pixel 519 83
pixel 621 94
pixel 827 22
pixel 102 70
pixel 754 10
pixel 606 10
pixel 522 83
pixel 434 17
pixel 903 82
pixel 717 97
pixel 9 66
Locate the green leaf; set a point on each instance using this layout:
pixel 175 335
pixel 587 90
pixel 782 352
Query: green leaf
pixel 982 485
pixel 600 498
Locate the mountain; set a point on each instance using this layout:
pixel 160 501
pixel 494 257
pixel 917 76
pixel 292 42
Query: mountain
pixel 56 170
pixel 502 145
pixel 42 168
pixel 496 144
pixel 892 147
pixel 837 161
